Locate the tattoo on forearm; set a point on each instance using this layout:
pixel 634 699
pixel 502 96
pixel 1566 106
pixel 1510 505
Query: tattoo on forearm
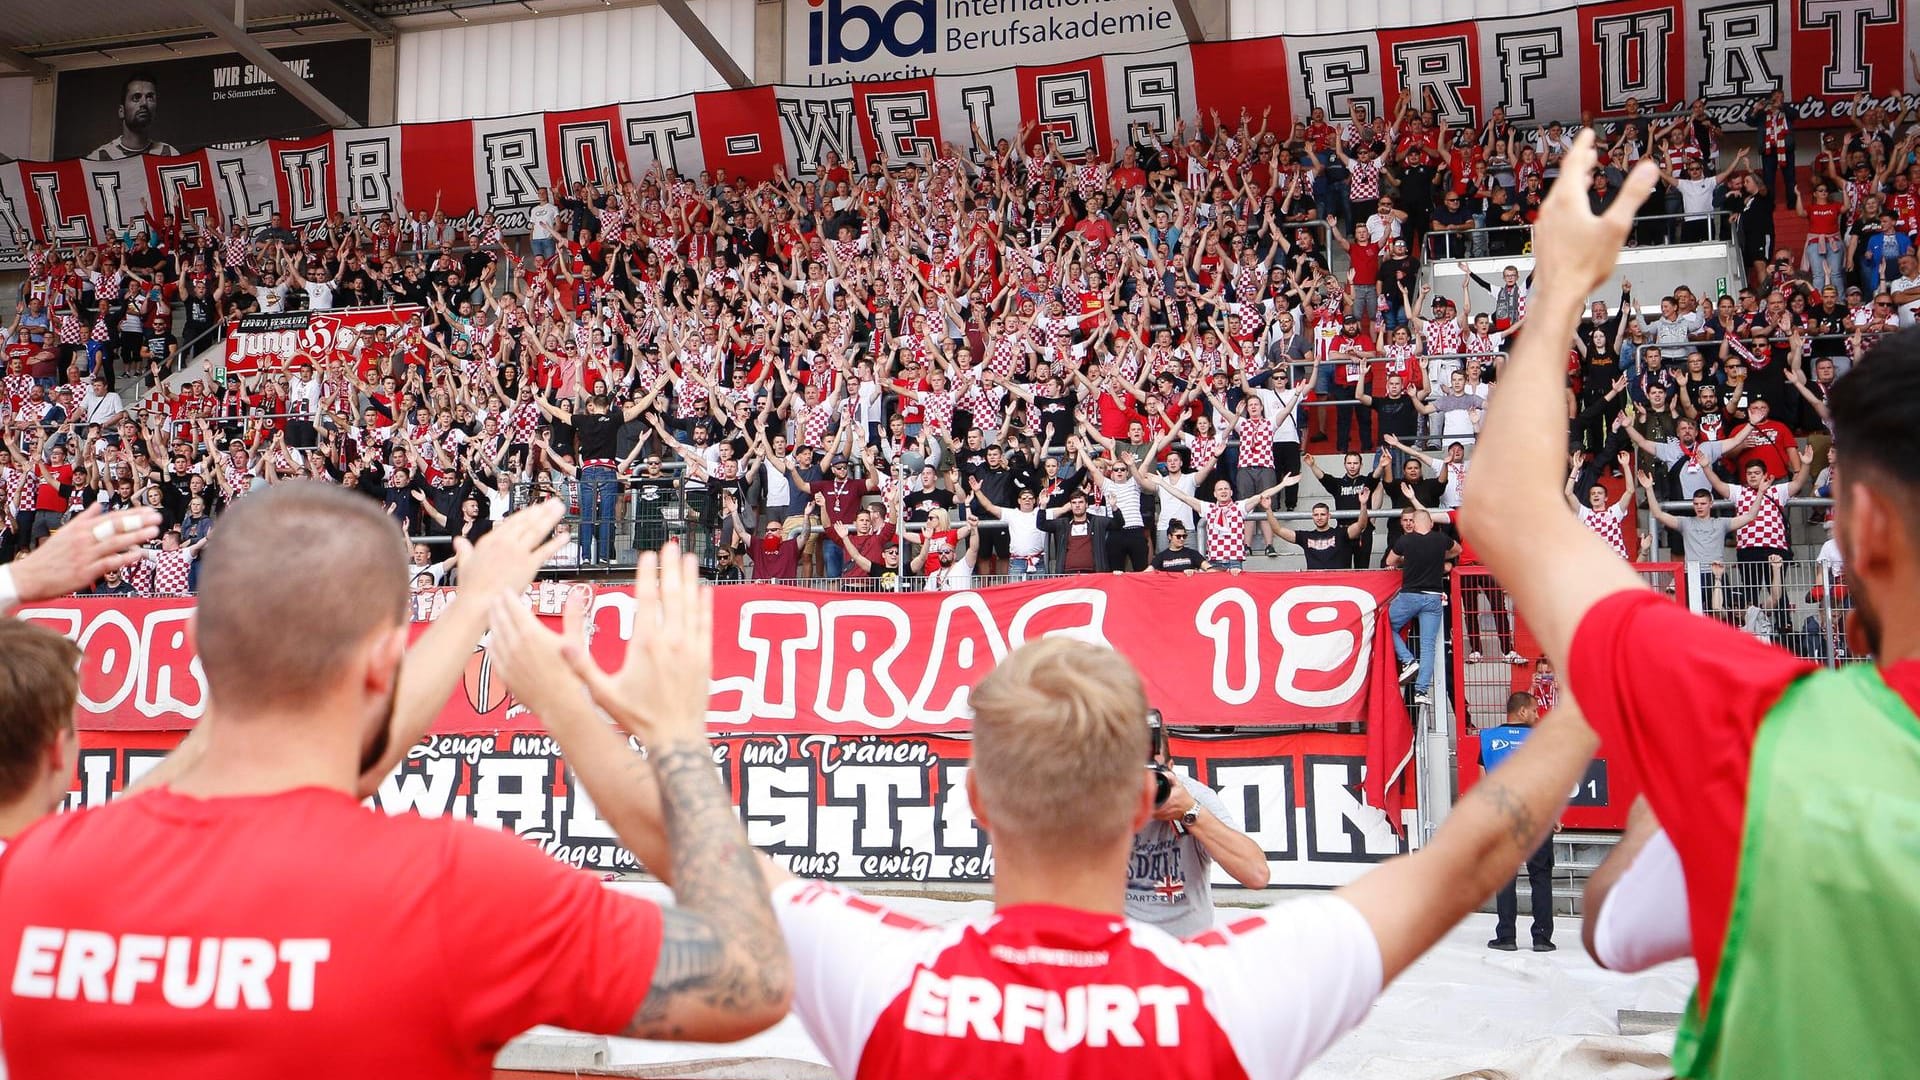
pixel 720 947
pixel 1522 828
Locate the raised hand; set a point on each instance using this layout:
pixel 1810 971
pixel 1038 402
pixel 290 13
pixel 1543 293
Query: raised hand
pixel 660 691
pixel 507 557
pixel 1575 249
pixel 81 552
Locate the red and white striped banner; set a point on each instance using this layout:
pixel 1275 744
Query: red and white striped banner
pixel 1587 61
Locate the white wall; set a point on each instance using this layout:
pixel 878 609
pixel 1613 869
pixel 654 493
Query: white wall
pixel 16 118
pixel 563 62
pixel 1258 18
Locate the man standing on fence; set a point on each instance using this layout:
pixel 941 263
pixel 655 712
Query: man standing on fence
pixel 1775 811
pixel 1421 554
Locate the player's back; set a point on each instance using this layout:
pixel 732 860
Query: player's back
pixel 1043 991
pixel 299 935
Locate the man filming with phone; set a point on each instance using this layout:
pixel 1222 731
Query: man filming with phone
pixel 1169 874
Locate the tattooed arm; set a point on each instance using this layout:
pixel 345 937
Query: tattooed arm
pixel 1412 900
pixel 723 971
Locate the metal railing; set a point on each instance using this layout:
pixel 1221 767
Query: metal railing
pixel 1798 605
pixel 1478 242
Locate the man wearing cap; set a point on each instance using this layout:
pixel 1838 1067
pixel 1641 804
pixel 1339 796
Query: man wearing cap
pixel 842 494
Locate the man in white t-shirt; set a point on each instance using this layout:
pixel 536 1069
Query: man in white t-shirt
pixel 545 221
pixel 1056 981
pixel 1905 291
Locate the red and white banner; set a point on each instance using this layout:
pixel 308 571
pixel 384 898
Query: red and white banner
pixel 273 341
pixel 1582 61
pixel 1250 650
pixel 873 808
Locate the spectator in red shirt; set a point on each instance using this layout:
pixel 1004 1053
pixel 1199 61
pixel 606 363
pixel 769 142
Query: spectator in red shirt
pixel 1769 442
pixel 334 942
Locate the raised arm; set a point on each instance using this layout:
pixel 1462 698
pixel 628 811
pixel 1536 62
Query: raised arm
pixel 1653 503
pixel 1511 512
pixel 1411 901
pixel 723 972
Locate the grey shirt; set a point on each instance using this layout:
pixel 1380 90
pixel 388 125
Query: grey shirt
pixel 1693 474
pixel 1705 538
pixel 1167 875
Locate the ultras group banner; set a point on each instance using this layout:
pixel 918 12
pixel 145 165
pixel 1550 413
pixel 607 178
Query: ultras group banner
pixel 1254 650
pixel 1582 61
pixel 887 808
pixel 273 340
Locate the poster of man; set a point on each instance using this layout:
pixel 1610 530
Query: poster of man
pixel 170 107
pixel 139 105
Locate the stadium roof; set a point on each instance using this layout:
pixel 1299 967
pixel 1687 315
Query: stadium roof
pixel 38 36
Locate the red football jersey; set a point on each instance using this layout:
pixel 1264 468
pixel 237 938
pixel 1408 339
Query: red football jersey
pixel 1040 991
pixel 298 935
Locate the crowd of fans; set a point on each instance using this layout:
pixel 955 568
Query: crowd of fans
pixel 1023 367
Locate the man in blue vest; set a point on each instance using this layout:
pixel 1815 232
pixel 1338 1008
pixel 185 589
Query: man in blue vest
pixel 1495 744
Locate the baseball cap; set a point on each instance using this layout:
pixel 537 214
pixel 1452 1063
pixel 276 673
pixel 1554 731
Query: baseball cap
pixel 839 459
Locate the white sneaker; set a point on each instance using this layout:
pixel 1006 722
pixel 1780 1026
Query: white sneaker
pixel 1515 659
pixel 1409 669
pixel 1473 658
pixel 1422 697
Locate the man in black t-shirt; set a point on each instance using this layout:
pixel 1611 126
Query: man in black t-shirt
pixel 929 496
pixel 1351 490
pixel 596 432
pixel 998 484
pixel 1421 556
pixel 1328 546
pixel 1394 411
pixel 1413 489
pixel 1177 557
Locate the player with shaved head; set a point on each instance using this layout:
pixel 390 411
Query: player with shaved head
pixel 247 916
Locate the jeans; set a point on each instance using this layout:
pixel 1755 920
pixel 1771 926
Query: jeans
pixel 599 489
pixel 543 249
pixel 836 557
pixel 1426 607
pixel 1823 261
pixel 1506 904
pixel 1022 567
pixel 1366 303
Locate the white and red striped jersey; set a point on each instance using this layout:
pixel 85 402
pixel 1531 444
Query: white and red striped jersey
pixel 1256 443
pixel 1041 991
pixel 1605 523
pixel 1769 529
pixel 170 572
pixel 1226 532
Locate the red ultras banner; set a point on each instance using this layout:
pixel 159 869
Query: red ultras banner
pixel 274 341
pixel 1213 650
